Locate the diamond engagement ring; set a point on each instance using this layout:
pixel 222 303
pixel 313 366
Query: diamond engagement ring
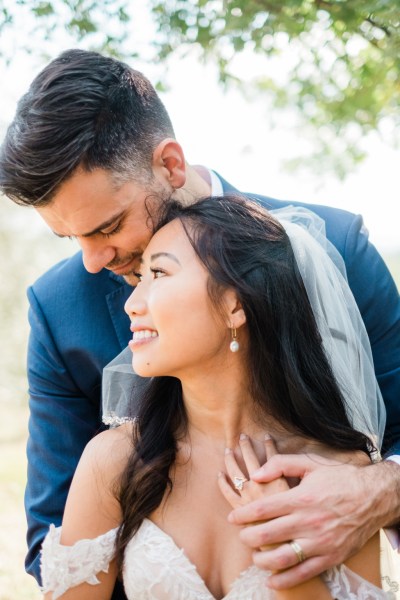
pixel 298 550
pixel 238 483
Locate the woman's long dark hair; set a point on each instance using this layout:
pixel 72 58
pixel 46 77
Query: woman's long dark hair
pixel 243 248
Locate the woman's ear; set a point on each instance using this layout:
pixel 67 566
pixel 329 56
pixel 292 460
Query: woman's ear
pixel 235 315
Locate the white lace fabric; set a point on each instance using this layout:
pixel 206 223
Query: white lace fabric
pixel 344 584
pixel 156 569
pixel 64 567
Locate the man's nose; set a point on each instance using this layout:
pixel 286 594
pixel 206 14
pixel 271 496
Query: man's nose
pixel 95 255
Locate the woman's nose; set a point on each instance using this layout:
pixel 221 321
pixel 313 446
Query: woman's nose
pixel 135 305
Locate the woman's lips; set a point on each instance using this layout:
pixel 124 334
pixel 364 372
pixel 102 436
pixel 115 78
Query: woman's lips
pixel 142 336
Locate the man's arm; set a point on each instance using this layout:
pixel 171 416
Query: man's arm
pixel 62 420
pixel 379 303
pixel 61 423
pixel 331 514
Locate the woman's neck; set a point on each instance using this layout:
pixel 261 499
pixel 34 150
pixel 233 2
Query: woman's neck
pixel 220 408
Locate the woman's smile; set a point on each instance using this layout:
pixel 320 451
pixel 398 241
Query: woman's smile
pixel 171 305
pixel 141 336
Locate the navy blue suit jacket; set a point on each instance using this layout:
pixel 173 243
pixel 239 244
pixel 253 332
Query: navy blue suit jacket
pixel 78 325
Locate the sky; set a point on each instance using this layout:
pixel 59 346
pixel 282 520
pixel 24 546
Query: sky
pixel 234 136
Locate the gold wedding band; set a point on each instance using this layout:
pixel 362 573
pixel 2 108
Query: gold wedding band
pixel 298 550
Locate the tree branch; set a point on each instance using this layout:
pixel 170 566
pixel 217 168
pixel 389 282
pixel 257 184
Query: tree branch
pixel 379 26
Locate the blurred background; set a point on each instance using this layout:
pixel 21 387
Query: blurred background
pixel 295 100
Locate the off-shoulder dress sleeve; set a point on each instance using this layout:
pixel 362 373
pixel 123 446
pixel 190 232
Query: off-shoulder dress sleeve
pixel 64 567
pixel 344 584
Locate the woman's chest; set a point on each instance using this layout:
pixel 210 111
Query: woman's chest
pixel 194 515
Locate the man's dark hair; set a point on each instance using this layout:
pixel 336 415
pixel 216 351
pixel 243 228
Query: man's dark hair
pixel 86 110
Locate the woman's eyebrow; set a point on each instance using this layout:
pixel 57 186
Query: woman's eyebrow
pixel 167 254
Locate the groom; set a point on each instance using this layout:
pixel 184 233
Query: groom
pixel 93 150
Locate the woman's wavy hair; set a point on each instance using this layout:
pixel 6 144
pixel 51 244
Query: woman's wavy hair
pixel 244 248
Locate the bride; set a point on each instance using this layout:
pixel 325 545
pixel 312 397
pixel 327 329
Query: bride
pixel 254 346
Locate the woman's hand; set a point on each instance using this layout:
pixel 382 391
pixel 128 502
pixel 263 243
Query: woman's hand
pixel 248 490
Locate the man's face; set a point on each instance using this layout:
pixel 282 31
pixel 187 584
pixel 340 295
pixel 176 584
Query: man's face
pixel 111 223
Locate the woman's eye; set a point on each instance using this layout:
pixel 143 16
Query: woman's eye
pixel 139 276
pixel 157 273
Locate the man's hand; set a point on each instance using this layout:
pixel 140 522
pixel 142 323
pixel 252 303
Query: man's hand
pixel 334 510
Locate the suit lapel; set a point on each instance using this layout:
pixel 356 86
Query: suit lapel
pixel 115 302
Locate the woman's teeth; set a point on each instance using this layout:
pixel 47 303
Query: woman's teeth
pixel 144 334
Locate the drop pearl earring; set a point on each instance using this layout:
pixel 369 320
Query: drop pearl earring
pixel 234 345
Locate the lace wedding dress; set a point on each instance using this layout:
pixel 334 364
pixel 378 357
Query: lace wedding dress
pixel 156 569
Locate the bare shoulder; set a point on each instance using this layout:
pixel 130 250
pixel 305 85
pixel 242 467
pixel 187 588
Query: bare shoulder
pixel 107 454
pixel 92 505
pixel 115 439
pixel 109 451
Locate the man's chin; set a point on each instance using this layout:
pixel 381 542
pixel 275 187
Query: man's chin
pixel 131 279
pixel 128 270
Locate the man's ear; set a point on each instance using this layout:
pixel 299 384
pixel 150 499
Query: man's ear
pixel 169 163
pixel 235 315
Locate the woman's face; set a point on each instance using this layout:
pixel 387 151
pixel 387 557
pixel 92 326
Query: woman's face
pixel 176 329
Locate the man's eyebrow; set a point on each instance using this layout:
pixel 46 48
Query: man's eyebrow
pixel 167 254
pixel 97 229
pixel 61 235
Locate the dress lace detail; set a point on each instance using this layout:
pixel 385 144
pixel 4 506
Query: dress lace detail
pixel 155 568
pixel 344 584
pixel 64 567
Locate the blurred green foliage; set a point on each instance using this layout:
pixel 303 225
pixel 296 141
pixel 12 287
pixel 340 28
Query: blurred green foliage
pixel 104 21
pixel 340 58
pixel 26 251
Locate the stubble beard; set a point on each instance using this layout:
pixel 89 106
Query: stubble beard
pixel 155 204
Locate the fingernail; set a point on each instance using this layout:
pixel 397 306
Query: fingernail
pixel 267 437
pixel 243 436
pixel 228 450
pixel 219 474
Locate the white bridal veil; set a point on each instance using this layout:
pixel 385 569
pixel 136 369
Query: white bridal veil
pixel 343 332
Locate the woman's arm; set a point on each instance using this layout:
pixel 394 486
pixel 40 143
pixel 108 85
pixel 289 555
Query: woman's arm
pixel 91 511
